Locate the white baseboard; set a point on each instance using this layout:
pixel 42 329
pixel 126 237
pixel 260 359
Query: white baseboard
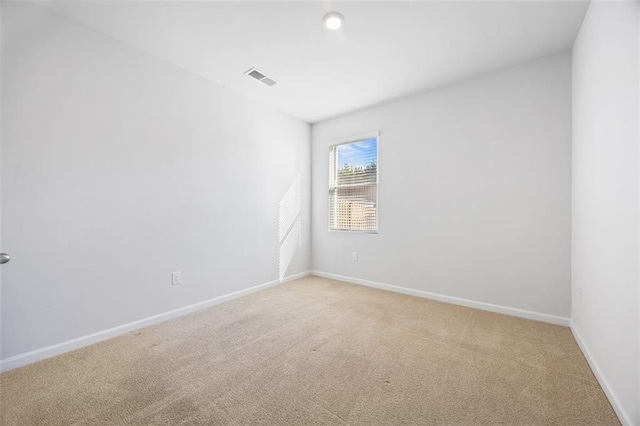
pixel 536 316
pixel 70 345
pixel 624 417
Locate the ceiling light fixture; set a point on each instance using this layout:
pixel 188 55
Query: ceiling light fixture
pixel 333 20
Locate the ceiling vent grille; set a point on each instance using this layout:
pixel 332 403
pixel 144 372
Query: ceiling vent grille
pixel 261 77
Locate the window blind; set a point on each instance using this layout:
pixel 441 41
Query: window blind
pixel 353 186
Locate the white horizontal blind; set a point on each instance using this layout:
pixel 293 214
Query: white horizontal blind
pixel 353 186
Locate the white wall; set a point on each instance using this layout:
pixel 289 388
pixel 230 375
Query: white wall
pixel 474 192
pixel 1 42
pixel 605 198
pixel 118 169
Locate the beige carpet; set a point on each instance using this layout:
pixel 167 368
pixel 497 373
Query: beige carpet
pixel 318 352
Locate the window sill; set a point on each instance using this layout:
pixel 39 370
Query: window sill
pixel 354 231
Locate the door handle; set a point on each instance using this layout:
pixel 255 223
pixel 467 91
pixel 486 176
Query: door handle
pixel 4 258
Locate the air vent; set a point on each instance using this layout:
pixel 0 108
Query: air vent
pixel 261 77
pixel 255 74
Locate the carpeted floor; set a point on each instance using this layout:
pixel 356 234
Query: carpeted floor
pixel 318 352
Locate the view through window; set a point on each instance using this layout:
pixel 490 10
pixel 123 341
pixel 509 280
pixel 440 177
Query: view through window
pixel 353 186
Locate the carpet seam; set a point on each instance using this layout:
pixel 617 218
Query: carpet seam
pixel 326 409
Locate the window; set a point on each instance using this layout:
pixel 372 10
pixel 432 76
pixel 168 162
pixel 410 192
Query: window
pixel 353 185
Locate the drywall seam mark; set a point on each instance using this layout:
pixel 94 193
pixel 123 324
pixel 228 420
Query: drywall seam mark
pixel 290 226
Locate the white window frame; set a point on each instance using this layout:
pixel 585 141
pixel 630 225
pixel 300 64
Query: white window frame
pixel 333 170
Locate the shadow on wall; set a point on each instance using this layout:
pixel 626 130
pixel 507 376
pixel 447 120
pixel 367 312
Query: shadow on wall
pixel 290 235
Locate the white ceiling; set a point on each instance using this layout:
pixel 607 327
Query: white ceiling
pixel 385 50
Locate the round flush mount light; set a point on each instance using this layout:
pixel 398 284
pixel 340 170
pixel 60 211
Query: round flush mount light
pixel 333 20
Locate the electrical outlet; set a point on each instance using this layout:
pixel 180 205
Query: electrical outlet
pixel 354 256
pixel 579 294
pixel 176 277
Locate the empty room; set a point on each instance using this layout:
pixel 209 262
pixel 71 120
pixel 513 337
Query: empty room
pixel 319 212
